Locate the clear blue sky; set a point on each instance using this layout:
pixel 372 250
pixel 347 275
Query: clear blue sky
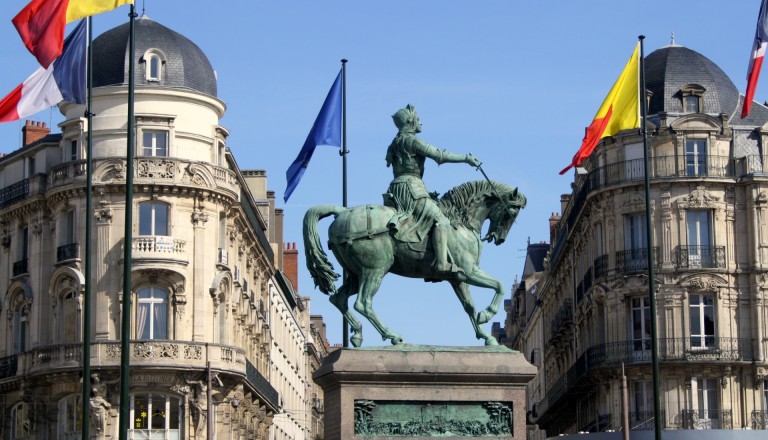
pixel 512 82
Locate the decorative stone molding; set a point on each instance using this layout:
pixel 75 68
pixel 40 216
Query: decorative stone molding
pixel 701 198
pixel 199 218
pixel 708 283
pixel 103 214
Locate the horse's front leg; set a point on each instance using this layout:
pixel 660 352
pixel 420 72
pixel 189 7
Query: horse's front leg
pixel 478 277
pixel 462 292
pixel 370 281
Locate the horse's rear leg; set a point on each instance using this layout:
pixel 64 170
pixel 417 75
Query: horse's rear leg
pixel 341 300
pixel 478 277
pixel 462 291
pixel 370 281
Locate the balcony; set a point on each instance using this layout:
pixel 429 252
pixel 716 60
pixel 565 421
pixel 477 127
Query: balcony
pixel 13 193
pixel 707 419
pixel 635 260
pixel 697 257
pixel 8 366
pixel 158 248
pixel 760 419
pixel 260 384
pixel 643 420
pixel 601 266
pixel 670 350
pixel 20 268
pixel 562 319
pixel 68 252
pixel 67 173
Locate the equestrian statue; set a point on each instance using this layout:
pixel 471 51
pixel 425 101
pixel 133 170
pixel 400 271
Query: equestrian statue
pixel 414 234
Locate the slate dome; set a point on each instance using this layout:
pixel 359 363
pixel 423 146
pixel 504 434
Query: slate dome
pixel 669 69
pixel 185 66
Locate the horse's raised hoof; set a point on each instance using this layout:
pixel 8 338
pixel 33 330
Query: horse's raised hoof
pixel 398 340
pixel 484 316
pixel 357 340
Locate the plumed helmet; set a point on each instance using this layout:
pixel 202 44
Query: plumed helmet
pixel 405 117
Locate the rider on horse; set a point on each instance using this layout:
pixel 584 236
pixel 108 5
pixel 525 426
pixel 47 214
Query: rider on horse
pixel 417 210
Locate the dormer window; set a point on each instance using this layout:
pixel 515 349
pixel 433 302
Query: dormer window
pixel 691 96
pixel 154 60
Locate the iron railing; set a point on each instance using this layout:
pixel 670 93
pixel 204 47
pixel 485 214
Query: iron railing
pixel 611 355
pixel 707 418
pixel 602 424
pixel 8 366
pixel 601 266
pixel 20 267
pixel 760 419
pixel 563 317
pixel 699 257
pixel 13 193
pixel 68 252
pixel 643 420
pixel 635 260
pixel 261 384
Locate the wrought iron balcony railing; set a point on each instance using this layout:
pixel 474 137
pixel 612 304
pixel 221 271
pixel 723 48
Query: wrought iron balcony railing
pixel 13 193
pixel 261 384
pixel 8 366
pixel 20 267
pixel 601 266
pixel 611 355
pixel 699 257
pixel 635 260
pixel 68 252
pixel 564 316
pixel 760 419
pixel 707 419
pixel 643 420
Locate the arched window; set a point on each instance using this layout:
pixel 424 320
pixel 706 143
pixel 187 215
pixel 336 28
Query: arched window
pixel 153 64
pixel 153 218
pixel 70 416
pixel 152 313
pixel 69 318
pixel 155 416
pixel 21 425
pixel 20 326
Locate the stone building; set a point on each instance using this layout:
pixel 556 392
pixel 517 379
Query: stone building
pixel 709 216
pixel 209 289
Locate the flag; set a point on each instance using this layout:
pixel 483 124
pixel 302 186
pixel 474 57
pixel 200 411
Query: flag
pixel 41 23
pixel 63 80
pixel 620 110
pixel 756 60
pixel 325 131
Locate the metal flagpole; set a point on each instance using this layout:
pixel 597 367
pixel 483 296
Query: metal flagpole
pixel 85 399
pixel 343 153
pixel 125 334
pixel 649 240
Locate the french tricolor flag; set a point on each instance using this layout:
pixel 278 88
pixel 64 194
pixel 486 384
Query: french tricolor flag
pixel 756 62
pixel 63 80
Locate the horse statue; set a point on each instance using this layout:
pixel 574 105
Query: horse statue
pixel 364 244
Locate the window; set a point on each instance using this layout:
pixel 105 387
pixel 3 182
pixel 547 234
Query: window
pixel 707 404
pixel 153 218
pixel 702 308
pixel 155 416
pixel 29 171
pixel 155 143
pixel 21 426
pixel 641 324
pixel 20 326
pixel 68 227
pixel 699 250
pixel 23 250
pixel 152 313
pixel 642 402
pixel 153 68
pixel 70 413
pixel 69 316
pixel 635 255
pixel 691 104
pixel 73 153
pixel 221 159
pixel 695 157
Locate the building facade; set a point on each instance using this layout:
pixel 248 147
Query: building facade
pixel 590 312
pixel 209 292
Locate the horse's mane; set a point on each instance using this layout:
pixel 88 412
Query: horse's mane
pixel 456 202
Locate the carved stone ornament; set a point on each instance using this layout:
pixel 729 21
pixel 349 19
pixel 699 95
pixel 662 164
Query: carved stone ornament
pixel 113 171
pixel 701 198
pixel 103 214
pixel 708 283
pixel 199 218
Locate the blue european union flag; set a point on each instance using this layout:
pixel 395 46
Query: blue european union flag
pixel 325 131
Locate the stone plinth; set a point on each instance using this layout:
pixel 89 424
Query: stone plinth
pixel 423 392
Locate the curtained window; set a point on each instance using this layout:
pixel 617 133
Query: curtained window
pixel 152 313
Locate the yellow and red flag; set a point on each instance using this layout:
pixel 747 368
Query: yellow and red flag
pixel 41 23
pixel 620 110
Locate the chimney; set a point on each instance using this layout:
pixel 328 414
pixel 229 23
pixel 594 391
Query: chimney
pixel 291 264
pixel 33 131
pixel 553 220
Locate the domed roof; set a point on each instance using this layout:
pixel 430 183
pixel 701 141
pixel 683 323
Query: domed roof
pixel 184 64
pixel 671 68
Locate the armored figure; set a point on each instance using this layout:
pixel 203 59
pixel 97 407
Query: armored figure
pixel 417 210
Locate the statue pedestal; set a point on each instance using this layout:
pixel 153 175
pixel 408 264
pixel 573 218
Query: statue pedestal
pixel 418 392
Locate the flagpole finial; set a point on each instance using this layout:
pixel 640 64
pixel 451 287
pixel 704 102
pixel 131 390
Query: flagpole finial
pixel 344 61
pixel 641 37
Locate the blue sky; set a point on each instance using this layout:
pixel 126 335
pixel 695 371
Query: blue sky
pixel 512 82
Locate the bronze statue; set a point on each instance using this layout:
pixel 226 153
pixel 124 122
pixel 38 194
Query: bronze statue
pixel 417 211
pixel 414 230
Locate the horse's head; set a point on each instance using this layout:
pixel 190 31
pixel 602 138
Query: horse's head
pixel 502 215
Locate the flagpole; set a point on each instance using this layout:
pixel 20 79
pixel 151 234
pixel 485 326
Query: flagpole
pixel 343 153
pixel 125 334
pixel 649 240
pixel 86 413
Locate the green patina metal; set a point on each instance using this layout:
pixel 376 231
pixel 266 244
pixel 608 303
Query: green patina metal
pixel 415 234
pixel 433 419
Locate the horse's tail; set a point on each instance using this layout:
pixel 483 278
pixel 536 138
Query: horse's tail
pixel 318 264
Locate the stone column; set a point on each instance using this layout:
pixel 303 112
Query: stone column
pixel 99 267
pixel 199 290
